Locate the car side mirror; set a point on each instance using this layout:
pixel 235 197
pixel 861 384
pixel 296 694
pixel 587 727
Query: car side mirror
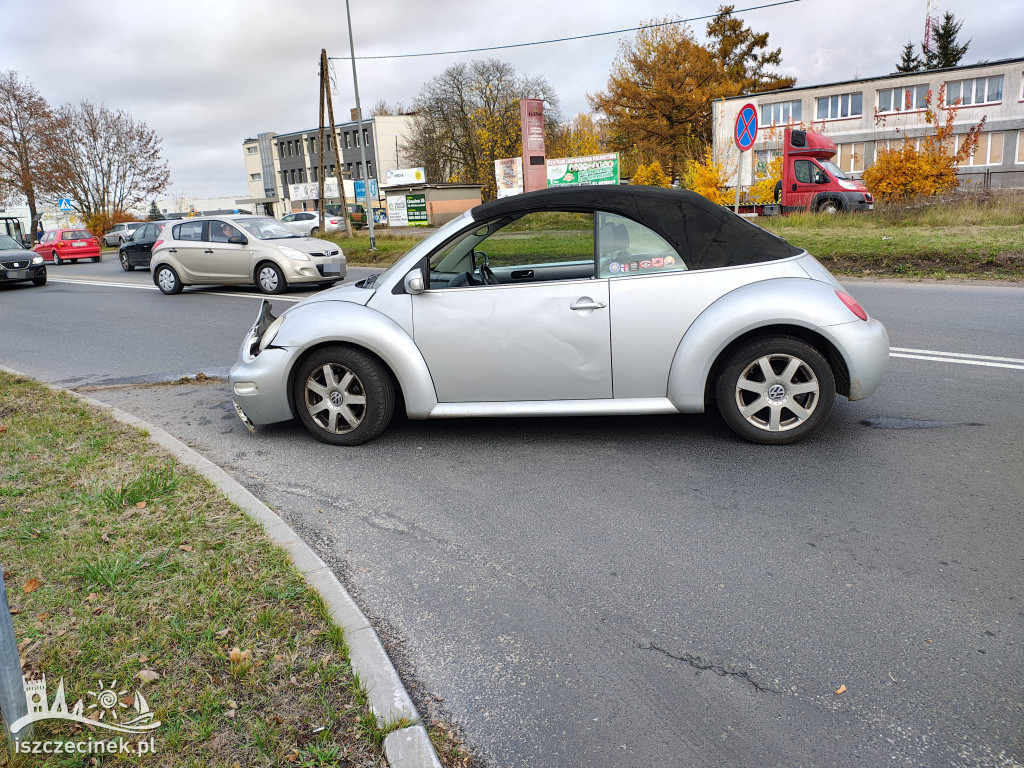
pixel 414 282
pixel 821 178
pixel 238 240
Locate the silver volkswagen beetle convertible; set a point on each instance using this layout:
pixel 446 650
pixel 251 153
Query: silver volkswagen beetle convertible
pixel 572 302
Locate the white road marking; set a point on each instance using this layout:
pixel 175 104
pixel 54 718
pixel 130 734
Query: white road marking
pixel 956 354
pixel 958 360
pixel 111 284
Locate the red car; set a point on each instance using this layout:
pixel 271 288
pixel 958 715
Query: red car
pixel 60 245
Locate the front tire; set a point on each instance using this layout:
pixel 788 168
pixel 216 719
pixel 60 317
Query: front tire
pixel 343 395
pixel 126 265
pixel 167 280
pixel 270 278
pixel 831 207
pixel 41 280
pixel 56 259
pixel 775 390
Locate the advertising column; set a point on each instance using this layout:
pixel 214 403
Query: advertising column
pixel 531 116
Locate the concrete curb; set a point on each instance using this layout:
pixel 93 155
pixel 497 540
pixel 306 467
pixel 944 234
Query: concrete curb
pixel 408 747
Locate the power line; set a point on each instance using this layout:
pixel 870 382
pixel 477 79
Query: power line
pixel 566 39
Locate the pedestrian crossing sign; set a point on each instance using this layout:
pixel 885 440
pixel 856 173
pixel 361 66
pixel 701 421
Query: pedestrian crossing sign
pixel 63 205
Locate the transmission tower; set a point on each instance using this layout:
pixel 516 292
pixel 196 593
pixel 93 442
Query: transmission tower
pixel 931 24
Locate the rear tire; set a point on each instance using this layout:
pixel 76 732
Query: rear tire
pixel 167 280
pixel 126 265
pixel 343 395
pixel 775 390
pixel 314 231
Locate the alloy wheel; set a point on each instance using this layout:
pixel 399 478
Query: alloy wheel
pixel 335 398
pixel 777 392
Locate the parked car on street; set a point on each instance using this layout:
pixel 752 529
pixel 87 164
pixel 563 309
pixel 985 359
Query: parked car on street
pixel 60 245
pixel 137 250
pixel 18 263
pixel 308 222
pixel 356 214
pixel 575 301
pixel 242 250
pixel 120 232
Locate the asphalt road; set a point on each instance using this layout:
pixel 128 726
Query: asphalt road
pixel 648 591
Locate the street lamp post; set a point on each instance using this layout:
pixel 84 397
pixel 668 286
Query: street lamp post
pixel 362 141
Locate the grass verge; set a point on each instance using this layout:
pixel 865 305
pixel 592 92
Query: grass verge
pixel 121 565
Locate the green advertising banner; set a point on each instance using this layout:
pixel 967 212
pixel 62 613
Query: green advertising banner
pixel 578 171
pixel 416 210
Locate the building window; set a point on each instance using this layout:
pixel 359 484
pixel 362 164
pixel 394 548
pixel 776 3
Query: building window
pixel 356 135
pixel 302 175
pixel 369 169
pixel 781 113
pixel 348 140
pixel 291 175
pixel 314 174
pixel 332 169
pixel 903 99
pixel 988 152
pixel 251 150
pixel 359 170
pixel 255 176
pixel 850 157
pixel 840 106
pixel 366 137
pixel 312 145
pixel 348 168
pixel 980 90
pixel 763 161
pixel 1020 146
pixel 280 148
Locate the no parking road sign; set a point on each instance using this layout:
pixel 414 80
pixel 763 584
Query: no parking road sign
pixel 745 130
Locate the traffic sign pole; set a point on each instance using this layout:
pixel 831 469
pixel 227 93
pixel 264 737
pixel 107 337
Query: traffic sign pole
pixel 744 133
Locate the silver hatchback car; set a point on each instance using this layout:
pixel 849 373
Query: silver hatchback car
pixel 242 250
pixel 585 301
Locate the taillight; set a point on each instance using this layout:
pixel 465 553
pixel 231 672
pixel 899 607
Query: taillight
pixel 157 244
pixel 852 304
pixel 333 221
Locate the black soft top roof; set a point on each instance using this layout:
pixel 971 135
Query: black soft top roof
pixel 704 234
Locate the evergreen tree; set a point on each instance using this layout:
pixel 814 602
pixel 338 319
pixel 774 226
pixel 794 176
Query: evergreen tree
pixel 154 212
pixel 909 62
pixel 946 52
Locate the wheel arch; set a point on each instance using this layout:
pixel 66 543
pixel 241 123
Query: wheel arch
pixel 753 310
pixel 259 263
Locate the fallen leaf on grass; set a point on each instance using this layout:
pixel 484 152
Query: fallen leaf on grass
pixel 3 428
pixel 840 689
pixel 105 536
pixel 15 611
pixel 230 713
pixel 94 715
pixel 32 585
pixel 92 598
pixel 42 616
pixel 148 676
pixel 35 533
pixel 232 704
pixel 141 505
pixel 143 659
pixel 222 632
pixel 185 547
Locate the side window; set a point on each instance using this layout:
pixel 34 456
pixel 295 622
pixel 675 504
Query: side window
pixel 190 230
pixel 149 232
pixel 804 171
pixel 289 217
pixel 625 247
pixel 221 232
pixel 526 248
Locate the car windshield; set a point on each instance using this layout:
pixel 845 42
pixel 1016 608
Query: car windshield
pixel 832 168
pixel 9 243
pixel 266 228
pixel 76 234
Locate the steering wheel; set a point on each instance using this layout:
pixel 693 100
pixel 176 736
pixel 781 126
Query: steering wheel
pixel 487 276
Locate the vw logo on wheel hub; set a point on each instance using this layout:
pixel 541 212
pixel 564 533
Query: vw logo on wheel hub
pixel 336 398
pixel 776 392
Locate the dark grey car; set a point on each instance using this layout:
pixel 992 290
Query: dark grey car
pixel 19 264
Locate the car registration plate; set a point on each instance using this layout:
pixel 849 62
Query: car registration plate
pixel 330 269
pixel 78 244
pixel 16 274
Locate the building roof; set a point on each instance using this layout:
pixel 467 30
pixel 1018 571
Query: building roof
pixel 892 76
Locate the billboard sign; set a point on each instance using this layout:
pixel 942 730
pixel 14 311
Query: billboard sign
pixel 360 189
pixel 416 210
pixel 583 171
pixel 309 190
pixel 531 118
pixel 397 211
pixel 508 176
pixel 404 176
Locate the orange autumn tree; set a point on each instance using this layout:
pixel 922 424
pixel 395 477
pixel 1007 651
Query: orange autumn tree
pixel 652 175
pixel 710 177
pixel 909 169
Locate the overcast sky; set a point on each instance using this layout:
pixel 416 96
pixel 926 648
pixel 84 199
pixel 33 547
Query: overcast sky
pixel 207 74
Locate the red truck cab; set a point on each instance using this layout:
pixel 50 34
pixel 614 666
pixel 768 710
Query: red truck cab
pixel 812 182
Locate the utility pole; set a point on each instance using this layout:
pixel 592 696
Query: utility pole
pixel 334 141
pixel 12 693
pixel 321 152
pixel 359 123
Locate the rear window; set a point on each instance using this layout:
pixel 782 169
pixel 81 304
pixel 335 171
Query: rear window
pixel 191 230
pixel 76 234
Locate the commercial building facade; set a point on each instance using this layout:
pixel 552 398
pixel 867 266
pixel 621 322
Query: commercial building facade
pixel 862 116
pixel 275 162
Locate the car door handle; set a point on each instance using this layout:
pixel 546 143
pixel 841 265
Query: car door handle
pixel 587 304
pixel 207 251
pixel 172 250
